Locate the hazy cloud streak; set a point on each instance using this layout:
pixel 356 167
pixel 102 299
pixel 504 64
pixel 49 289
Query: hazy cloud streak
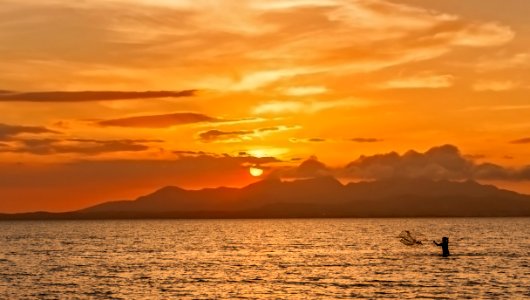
pixel 86 96
pixel 521 141
pixel 160 121
pixel 76 146
pixel 9 131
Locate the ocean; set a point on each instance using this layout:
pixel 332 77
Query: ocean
pixel 264 259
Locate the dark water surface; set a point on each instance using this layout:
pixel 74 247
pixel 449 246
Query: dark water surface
pixel 268 259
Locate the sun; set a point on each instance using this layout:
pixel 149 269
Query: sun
pixel 255 171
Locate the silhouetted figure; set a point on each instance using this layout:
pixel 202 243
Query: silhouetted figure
pixel 445 246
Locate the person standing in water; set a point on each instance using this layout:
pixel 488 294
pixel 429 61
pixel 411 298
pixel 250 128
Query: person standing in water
pixel 445 246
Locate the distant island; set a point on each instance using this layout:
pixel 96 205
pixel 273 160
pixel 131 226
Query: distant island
pixel 323 197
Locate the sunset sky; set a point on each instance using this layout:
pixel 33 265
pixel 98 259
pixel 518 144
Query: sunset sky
pixel 111 99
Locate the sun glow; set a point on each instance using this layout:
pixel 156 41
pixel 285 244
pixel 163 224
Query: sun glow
pixel 255 171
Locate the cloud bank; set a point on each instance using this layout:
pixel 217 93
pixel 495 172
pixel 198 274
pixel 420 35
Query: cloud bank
pixel 438 163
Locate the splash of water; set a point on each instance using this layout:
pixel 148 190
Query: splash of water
pixel 409 238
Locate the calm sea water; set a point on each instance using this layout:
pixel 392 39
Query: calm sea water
pixel 269 259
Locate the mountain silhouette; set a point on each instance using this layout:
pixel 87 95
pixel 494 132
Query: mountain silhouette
pixel 316 197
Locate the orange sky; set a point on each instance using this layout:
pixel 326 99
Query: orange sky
pixel 104 100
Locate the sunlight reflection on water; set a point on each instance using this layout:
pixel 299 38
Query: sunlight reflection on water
pixel 205 259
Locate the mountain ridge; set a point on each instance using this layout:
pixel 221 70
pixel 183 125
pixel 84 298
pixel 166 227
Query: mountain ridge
pixel 312 198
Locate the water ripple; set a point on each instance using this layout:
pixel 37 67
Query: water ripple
pixel 267 259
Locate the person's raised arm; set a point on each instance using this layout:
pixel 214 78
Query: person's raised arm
pixel 436 243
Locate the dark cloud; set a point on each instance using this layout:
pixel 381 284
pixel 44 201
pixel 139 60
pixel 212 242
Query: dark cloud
pixel 308 168
pixel 242 158
pixel 521 141
pixel 77 146
pixel 238 135
pixel 123 140
pixel 491 171
pixel 9 131
pixel 268 129
pixel 160 121
pixel 190 153
pixel 366 140
pixel 215 135
pixel 317 140
pixel 443 162
pixel 438 163
pixel 310 140
pixel 524 173
pixel 320 140
pixel 307 140
pixel 474 156
pixel 311 167
pixel 85 96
